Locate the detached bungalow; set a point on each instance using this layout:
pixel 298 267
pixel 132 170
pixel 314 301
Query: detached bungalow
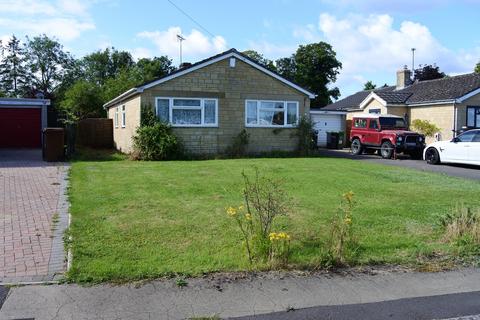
pixel 210 102
pixel 451 103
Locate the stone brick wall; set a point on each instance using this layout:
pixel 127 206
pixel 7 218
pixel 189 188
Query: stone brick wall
pixel 122 137
pixel 440 115
pixel 231 86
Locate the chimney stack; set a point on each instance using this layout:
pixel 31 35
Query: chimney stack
pixel 403 78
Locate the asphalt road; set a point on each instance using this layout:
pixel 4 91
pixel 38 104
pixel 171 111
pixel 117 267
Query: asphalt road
pixel 3 295
pixel 450 306
pixel 462 171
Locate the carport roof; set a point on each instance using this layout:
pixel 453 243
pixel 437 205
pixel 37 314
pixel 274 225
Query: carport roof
pixel 24 102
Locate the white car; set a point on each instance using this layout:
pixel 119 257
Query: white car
pixel 464 148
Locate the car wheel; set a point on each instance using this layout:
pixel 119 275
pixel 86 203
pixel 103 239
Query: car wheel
pixel 386 150
pixel 356 147
pixel 432 156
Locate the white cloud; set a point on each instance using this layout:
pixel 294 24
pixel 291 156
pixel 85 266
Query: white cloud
pixel 139 53
pixel 271 50
pixel 65 19
pixel 372 44
pixel 196 45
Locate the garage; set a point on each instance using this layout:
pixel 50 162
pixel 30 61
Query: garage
pixel 327 121
pixel 22 121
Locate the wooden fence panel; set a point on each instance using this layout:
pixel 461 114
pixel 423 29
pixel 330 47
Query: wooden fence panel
pixel 95 133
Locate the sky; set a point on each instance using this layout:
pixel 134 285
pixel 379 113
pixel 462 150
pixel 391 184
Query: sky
pixel 372 38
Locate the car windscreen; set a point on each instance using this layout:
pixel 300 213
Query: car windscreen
pixel 392 123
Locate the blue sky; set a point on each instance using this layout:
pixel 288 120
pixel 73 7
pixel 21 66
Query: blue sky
pixel 372 38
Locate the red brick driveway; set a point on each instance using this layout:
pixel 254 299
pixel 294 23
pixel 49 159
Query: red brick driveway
pixel 34 215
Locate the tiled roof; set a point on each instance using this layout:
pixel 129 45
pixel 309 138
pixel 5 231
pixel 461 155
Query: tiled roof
pixel 445 89
pixel 354 100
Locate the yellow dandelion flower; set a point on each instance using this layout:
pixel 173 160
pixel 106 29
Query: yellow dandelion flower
pixel 248 216
pixel 272 236
pixel 241 207
pixel 348 221
pixel 231 211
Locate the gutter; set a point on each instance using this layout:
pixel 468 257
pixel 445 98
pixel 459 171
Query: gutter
pixel 124 95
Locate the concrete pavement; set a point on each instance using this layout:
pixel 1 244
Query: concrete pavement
pixel 230 297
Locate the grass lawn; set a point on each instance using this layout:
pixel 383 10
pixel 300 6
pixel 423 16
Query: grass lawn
pixel 136 220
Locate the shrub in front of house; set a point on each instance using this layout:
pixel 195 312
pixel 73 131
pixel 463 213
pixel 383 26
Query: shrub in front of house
pixel 154 140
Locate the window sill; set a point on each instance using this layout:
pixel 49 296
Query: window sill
pixel 278 127
pixel 194 125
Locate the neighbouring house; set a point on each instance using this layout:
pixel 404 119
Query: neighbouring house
pixel 451 103
pixel 22 121
pixel 210 102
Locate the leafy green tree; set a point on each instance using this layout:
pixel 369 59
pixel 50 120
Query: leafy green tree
pixel 316 67
pixel 428 72
pixel 477 68
pixel 286 67
pixel 13 72
pixel 82 100
pixel 126 79
pixel 48 64
pixel 155 67
pixel 258 57
pixel 100 66
pixel 425 127
pixel 369 85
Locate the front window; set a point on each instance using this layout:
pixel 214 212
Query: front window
pixel 473 117
pixel 124 118
pixel 392 123
pixel 259 113
pixel 188 112
pixel 373 124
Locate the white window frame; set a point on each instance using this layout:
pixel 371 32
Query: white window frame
pixel 285 103
pixel 201 108
pixel 124 116
pixel 115 117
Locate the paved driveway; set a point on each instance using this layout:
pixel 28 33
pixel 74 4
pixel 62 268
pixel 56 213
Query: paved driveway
pixel 462 171
pixel 34 216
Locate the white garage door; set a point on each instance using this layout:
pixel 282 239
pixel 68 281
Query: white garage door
pixel 324 123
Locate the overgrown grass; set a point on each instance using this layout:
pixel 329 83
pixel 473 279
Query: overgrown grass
pixel 137 220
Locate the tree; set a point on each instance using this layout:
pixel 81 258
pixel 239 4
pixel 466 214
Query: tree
pixel 154 68
pixel 258 57
pixel 100 66
pixel 369 85
pixel 428 72
pixel 82 100
pixel 126 79
pixel 316 67
pixel 477 68
pixel 286 67
pixel 48 64
pixel 13 72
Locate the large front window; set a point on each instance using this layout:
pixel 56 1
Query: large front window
pixel 260 113
pixel 473 117
pixel 188 112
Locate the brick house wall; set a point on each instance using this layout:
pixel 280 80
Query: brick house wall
pixel 231 86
